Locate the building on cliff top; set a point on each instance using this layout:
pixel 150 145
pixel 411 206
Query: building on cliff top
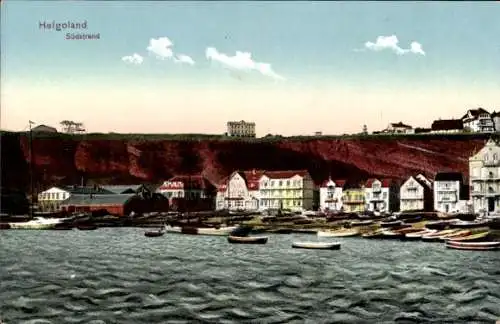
pixel 241 129
pixel 44 129
pixel 399 128
pixel 447 126
pixel 416 194
pixel 484 180
pixel 478 120
pixel 330 195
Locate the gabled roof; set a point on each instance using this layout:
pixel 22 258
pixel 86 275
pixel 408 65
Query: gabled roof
pixel 252 178
pixel 285 174
pixel 475 112
pixel 385 183
pixel 351 184
pixel 121 189
pixel 448 176
pixel 421 182
pixel 338 183
pixel 400 124
pixel 447 124
pixel 90 200
pixel 186 182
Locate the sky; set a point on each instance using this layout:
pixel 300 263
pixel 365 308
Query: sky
pixel 293 68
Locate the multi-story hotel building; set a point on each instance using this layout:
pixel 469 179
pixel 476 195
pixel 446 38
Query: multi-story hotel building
pixel 449 192
pixel 330 195
pixel 484 174
pixel 240 191
pixel 353 197
pixel 381 195
pixel 241 128
pixel 293 190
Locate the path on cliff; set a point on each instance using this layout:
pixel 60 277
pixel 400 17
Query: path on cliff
pixel 429 151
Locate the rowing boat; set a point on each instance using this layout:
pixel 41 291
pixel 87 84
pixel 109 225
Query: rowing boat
pixel 316 245
pixel 339 233
pixel 247 239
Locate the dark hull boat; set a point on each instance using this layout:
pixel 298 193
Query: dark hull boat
pixel 247 239
pixel 4 226
pixel 475 246
pixel 87 227
pixel 157 233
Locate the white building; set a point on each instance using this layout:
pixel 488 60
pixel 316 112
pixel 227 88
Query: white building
pixel 381 195
pixel 399 128
pixel 484 171
pixel 330 195
pixel 240 191
pixel 51 199
pixel 241 129
pixel 478 120
pixel 292 190
pixel 450 194
pixel 416 194
pixel 496 120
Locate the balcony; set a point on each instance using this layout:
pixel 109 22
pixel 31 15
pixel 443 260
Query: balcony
pixel 447 199
pixel 411 197
pixel 491 163
pixel 485 193
pixel 447 189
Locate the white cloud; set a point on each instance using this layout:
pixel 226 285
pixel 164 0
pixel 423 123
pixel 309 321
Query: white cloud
pixel 241 61
pixel 182 58
pixel 391 43
pixel 161 47
pixel 416 48
pixel 133 59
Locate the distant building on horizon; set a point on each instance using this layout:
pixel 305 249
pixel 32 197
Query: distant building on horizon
pixel 478 121
pixel 399 128
pixel 447 126
pixel 240 129
pixel 44 129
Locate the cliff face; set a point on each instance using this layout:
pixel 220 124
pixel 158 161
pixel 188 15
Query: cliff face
pixel 67 161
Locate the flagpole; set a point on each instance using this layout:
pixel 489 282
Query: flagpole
pixel 31 170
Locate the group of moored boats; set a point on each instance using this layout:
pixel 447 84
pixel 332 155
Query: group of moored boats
pixel 42 223
pixel 457 234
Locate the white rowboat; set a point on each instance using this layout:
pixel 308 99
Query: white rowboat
pixel 316 245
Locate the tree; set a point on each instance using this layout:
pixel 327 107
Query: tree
pixel 71 127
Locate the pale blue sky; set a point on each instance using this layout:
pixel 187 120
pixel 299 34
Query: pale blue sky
pixel 314 45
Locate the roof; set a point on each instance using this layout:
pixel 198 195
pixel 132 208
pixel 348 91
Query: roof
pixel 351 184
pixel 193 182
pixel 385 183
pixel 252 178
pixel 422 182
pixel 475 112
pixel 338 183
pixel 447 124
pixel 285 174
pixel 44 128
pixel 448 176
pixel 120 189
pixel 400 124
pixel 86 190
pixel 88 200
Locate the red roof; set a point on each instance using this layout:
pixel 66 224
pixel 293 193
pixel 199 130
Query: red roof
pixel 338 183
pixel 179 182
pixel 385 183
pixel 285 174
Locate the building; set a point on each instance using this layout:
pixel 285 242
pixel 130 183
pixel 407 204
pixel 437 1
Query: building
pixel 496 120
pixel 416 194
pixel 241 129
pixel 447 126
pixel 240 191
pixel 115 204
pixel 484 174
pixel 353 197
pixel 51 199
pixel 450 194
pixel 381 195
pixel 291 190
pixel 189 193
pixel 399 128
pixel 128 189
pixel 44 129
pixel 478 121
pixel 330 195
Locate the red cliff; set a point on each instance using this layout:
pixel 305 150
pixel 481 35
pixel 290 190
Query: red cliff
pixel 64 159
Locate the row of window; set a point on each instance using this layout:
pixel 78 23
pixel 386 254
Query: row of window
pixel 281 183
pixel 53 196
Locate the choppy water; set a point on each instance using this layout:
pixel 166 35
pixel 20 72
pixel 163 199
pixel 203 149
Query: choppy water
pixel 120 276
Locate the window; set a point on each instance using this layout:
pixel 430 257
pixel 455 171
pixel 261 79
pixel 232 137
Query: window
pixel 280 183
pixel 288 183
pixel 486 157
pixel 495 157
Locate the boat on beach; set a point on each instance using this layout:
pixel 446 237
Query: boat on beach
pixel 418 235
pixel 457 234
pixel 477 246
pixel 316 245
pixel 473 237
pixel 247 239
pixel 86 227
pixel 436 237
pixel 156 233
pixel 339 233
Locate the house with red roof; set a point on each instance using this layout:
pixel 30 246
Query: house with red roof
pixel 290 189
pixel 416 194
pixel 381 195
pixel 239 191
pixel 330 195
pixel 193 190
